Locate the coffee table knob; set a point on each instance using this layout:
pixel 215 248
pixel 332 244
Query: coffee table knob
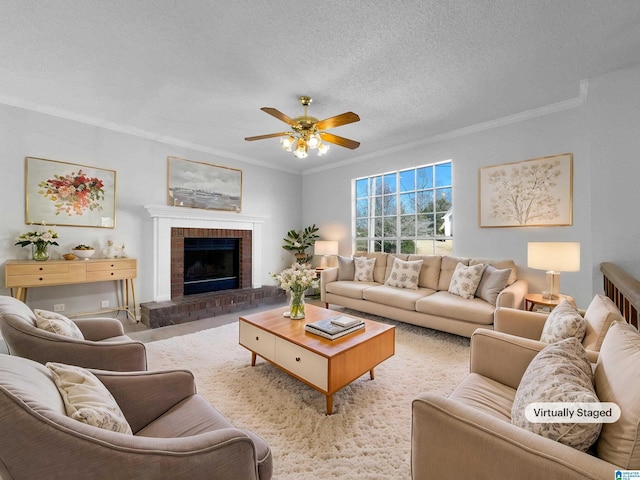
pixel 297 359
pixel 257 339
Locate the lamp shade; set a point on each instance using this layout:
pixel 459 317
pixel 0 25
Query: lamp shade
pixel 554 256
pixel 325 247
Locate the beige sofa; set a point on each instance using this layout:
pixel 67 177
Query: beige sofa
pixel 431 305
pixel 469 434
pixel 177 434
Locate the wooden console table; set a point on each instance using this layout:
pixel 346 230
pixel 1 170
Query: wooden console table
pixel 20 275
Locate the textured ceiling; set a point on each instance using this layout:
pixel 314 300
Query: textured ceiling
pixel 197 71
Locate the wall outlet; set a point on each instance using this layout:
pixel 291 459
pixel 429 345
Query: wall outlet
pixel 58 307
pixel 105 304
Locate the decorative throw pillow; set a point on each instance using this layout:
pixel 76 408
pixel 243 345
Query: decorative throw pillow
pixel 560 372
pixel 465 280
pixel 86 399
pixel 56 323
pixel 364 269
pixel 493 281
pixel 404 274
pixel 346 268
pixel 564 321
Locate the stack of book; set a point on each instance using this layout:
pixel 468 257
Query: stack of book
pixel 334 327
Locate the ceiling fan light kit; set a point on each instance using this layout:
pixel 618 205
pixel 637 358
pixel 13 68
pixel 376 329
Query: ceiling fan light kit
pixel 308 132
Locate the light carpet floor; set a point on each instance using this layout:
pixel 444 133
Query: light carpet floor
pixel 369 434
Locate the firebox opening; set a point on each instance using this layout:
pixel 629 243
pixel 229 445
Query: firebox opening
pixel 211 264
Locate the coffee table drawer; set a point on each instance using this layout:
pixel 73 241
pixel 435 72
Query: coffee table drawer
pixel 301 362
pixel 257 340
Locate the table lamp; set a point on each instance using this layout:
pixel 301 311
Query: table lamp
pixel 325 248
pixel 554 257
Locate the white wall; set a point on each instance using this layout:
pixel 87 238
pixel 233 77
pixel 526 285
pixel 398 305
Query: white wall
pixel 603 136
pixel 141 177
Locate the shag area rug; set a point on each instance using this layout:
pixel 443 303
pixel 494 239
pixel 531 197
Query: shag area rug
pixel 369 434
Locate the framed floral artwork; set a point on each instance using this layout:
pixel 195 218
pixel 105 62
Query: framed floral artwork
pixel 203 185
pixel 535 192
pixel 62 193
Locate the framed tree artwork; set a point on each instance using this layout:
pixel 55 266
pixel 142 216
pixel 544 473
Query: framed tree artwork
pixel 535 192
pixel 62 193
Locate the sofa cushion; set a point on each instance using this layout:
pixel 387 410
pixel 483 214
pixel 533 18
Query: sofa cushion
pixel 448 305
pixel 430 271
pixel 55 323
pixel 600 314
pixel 485 394
pixel 465 280
pixel 364 269
pixel 396 297
pixel 563 322
pixel 404 274
pixel 349 289
pixel 447 267
pixel 618 381
pixel 493 281
pixel 380 268
pixel 86 399
pixel 346 268
pixel 391 261
pixel 500 265
pixel 560 372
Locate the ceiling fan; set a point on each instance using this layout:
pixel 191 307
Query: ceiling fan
pixel 308 132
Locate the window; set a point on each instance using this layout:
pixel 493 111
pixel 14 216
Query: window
pixel 407 211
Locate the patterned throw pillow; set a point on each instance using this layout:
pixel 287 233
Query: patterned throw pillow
pixel 86 399
pixel 465 280
pixel 364 269
pixel 404 274
pixel 564 321
pixel 56 323
pixel 560 372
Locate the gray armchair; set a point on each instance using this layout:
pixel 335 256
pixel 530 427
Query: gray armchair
pixel 176 433
pixel 105 346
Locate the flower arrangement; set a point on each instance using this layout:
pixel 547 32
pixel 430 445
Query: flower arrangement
pixel 40 241
pixel 296 280
pixel 73 193
pixel 299 241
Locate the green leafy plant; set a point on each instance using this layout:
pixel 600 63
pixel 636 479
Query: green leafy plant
pixel 299 240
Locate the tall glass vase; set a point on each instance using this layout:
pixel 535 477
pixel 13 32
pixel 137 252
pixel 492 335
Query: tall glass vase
pixel 40 251
pixel 296 305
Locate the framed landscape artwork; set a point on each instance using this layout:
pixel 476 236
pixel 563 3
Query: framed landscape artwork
pixel 62 193
pixel 202 185
pixel 535 192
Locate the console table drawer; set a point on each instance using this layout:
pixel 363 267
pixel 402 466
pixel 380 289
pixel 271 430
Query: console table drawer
pixel 305 364
pixel 101 276
pixel 257 340
pixel 111 265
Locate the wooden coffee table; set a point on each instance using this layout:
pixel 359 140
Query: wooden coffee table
pixel 326 365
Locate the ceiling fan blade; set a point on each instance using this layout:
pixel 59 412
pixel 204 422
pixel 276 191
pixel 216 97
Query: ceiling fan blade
pixel 279 115
pixel 338 120
pixel 343 142
pixel 270 135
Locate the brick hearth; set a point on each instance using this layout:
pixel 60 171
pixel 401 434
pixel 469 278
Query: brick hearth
pixel 206 305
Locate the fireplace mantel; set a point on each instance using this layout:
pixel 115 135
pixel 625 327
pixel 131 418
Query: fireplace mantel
pixel 167 217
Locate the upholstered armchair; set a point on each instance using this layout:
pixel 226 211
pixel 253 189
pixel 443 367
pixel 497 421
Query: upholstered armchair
pixel 598 316
pixel 103 344
pixel 175 432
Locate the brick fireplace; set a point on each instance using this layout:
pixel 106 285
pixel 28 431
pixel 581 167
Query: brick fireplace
pixel 171 225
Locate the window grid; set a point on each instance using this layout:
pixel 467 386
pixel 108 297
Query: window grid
pixel 406 211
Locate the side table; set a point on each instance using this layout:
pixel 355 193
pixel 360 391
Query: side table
pixel 533 299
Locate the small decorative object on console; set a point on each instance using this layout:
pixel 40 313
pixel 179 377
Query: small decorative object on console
pixel 83 251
